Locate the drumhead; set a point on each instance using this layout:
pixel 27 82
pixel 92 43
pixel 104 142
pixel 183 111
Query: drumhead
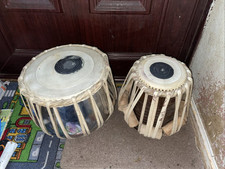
pixel 161 72
pixel 63 72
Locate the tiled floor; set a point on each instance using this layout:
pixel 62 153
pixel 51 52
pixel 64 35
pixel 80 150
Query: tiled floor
pixel 115 145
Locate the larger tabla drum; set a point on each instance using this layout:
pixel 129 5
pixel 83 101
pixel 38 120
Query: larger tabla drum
pixel 68 90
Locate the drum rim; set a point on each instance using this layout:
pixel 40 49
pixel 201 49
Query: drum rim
pixel 68 99
pixel 143 82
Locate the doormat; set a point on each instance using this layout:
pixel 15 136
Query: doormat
pixel 35 149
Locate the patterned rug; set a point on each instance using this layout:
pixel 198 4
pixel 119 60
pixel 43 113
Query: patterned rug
pixel 35 149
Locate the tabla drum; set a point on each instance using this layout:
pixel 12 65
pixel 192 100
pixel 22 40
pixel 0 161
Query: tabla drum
pixel 155 95
pixel 68 90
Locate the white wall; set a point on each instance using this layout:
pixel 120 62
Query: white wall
pixel 208 68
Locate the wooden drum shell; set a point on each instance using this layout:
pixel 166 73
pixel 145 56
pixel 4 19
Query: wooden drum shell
pixel 152 110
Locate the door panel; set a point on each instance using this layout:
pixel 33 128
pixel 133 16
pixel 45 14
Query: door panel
pixel 175 26
pixel 122 6
pixel 50 5
pixel 124 29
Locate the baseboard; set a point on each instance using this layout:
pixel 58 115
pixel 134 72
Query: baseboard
pixel 202 140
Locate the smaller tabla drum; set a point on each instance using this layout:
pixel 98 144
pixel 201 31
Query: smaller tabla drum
pixel 68 90
pixel 155 95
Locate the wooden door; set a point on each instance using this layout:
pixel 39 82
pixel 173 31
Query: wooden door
pixel 124 29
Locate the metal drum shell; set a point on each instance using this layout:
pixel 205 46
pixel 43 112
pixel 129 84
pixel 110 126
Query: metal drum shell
pixel 105 85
